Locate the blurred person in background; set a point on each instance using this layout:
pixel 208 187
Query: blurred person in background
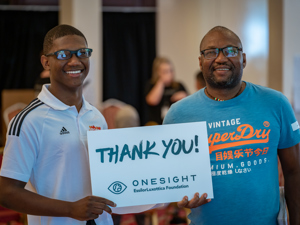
pixel 127 116
pixel 162 90
pixel 200 82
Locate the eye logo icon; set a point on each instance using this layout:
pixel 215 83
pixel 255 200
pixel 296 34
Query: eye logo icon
pixel 117 187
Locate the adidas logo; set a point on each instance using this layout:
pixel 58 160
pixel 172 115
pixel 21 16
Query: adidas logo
pixel 64 131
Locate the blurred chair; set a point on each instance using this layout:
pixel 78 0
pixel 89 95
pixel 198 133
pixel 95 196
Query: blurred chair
pixel 13 101
pixel 11 111
pixel 151 123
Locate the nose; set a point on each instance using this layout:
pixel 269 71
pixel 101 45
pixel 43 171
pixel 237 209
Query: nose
pixel 221 57
pixel 74 60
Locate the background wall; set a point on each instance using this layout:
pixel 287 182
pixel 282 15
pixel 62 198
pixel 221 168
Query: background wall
pixel 179 31
pixel 291 46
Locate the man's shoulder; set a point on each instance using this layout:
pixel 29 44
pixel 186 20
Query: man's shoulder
pixel 93 109
pixel 31 114
pixel 95 114
pixel 268 97
pixel 266 92
pixel 264 89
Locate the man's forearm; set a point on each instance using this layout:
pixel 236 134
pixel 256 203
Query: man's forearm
pixel 292 195
pixel 31 203
pixel 15 197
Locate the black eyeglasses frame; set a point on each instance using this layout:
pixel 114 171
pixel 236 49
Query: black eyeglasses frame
pixel 71 53
pixel 220 49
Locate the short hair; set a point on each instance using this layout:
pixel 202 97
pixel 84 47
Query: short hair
pixel 127 116
pixel 57 32
pixel 222 30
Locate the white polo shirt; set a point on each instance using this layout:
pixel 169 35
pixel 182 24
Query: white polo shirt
pixel 47 146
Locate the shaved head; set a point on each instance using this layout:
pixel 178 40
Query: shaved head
pixel 221 29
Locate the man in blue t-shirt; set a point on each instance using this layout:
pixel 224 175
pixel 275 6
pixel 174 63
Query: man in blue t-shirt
pixel 248 126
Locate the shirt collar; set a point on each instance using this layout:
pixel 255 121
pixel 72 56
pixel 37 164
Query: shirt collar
pixel 49 99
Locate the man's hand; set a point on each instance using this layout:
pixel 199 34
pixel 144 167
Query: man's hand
pixel 194 202
pixel 90 208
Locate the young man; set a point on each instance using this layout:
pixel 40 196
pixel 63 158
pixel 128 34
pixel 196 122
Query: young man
pixel 248 125
pixel 46 146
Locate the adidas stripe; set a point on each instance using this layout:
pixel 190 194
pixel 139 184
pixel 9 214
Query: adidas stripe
pixel 16 124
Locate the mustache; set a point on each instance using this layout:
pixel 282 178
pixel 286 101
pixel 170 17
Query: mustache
pixel 214 66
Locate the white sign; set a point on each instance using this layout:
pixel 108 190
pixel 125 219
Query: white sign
pixel 150 165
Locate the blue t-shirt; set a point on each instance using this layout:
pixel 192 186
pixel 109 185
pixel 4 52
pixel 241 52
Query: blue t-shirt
pixel 244 134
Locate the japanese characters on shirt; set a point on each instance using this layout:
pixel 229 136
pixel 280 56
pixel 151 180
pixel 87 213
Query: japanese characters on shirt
pixel 236 143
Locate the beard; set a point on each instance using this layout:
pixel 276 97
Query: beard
pixel 229 83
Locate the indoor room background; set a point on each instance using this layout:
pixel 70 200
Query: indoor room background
pixel 127 35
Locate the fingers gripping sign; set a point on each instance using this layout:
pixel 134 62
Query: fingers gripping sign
pixel 194 202
pixel 90 208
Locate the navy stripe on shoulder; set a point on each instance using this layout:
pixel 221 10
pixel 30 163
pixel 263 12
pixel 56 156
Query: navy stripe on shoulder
pixel 16 124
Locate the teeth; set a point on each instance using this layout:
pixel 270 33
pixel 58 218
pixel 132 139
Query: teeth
pixel 222 69
pixel 77 71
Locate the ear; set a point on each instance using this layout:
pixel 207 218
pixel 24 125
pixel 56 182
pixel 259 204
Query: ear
pixel 200 63
pixel 244 60
pixel 45 62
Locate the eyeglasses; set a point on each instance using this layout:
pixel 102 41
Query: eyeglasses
pixel 67 54
pixel 214 52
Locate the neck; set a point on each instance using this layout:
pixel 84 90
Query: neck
pixel 68 97
pixel 224 94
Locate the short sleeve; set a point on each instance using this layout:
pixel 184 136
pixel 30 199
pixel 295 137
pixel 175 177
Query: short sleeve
pixel 171 114
pixel 290 133
pixel 20 154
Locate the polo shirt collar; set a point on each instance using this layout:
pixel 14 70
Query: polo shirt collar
pixel 48 98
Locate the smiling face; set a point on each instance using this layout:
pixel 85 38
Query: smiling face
pixel 222 72
pixel 70 73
